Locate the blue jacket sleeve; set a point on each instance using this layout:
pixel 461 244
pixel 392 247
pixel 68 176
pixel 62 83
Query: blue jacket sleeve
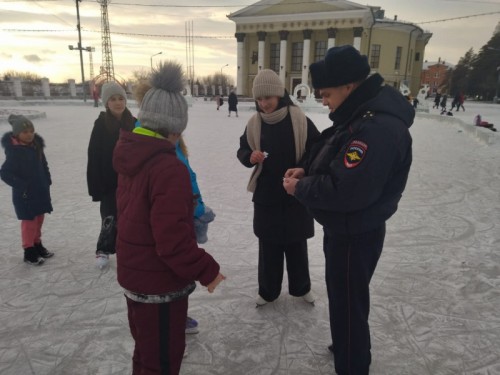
pixel 200 205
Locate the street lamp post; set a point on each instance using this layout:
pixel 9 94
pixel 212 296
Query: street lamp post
pixel 156 54
pixel 80 48
pixel 223 66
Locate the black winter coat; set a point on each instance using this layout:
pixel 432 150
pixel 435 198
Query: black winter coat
pixel 101 176
pixel 26 170
pixel 357 171
pixel 278 216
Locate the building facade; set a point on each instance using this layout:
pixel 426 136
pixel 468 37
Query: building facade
pixel 437 76
pixel 289 35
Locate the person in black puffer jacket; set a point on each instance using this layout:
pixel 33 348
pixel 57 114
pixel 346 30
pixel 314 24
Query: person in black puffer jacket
pixel 274 140
pixel 101 177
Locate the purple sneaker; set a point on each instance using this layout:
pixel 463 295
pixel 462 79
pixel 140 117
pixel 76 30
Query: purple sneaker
pixel 191 326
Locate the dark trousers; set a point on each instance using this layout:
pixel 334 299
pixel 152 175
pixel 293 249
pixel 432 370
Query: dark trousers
pixel 108 205
pixel 350 262
pixel 107 208
pixel 158 330
pixel 271 257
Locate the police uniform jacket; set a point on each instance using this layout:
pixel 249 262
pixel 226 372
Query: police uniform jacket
pixel 357 171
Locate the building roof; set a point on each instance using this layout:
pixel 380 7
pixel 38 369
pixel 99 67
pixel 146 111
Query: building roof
pixel 428 64
pixel 299 8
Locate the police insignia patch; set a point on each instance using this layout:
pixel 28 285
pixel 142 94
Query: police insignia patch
pixel 355 153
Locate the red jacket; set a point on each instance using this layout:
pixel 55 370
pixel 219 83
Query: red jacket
pixel 157 252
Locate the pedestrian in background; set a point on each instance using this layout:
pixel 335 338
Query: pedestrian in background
pixel 232 101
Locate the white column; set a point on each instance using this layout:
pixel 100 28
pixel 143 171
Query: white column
pixel 283 45
pixel 240 58
pixel 18 88
pixel 262 46
pixel 358 32
pixel 305 56
pixel 72 88
pixel 332 34
pixel 45 87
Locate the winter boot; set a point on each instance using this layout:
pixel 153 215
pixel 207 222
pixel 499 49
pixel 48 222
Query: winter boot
pixel 42 251
pixel 32 257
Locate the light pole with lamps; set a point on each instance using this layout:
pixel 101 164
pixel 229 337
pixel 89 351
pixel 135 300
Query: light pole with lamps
pixel 156 54
pixel 223 66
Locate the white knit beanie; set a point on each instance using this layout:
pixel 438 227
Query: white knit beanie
pixel 112 88
pixel 163 106
pixel 267 83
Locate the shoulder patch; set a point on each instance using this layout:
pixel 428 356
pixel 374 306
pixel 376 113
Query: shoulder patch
pixel 355 153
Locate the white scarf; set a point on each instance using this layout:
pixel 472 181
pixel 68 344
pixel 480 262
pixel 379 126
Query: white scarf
pixel 299 125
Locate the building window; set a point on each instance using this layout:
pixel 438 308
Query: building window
pixel 320 50
pixel 436 75
pixel 297 53
pixel 417 56
pixel 397 63
pixel 274 58
pixel 375 56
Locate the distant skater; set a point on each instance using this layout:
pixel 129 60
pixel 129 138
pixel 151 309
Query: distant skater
pixel 444 99
pixel 437 100
pixel 232 101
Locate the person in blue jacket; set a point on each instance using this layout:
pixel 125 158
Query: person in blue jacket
pixel 351 182
pixel 26 170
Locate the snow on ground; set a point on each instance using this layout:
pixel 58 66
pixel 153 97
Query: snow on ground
pixel 435 294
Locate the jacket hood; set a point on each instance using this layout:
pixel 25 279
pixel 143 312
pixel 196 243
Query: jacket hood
pixel 7 140
pixel 133 151
pixel 377 98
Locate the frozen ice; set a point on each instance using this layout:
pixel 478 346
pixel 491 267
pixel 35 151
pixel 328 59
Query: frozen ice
pixel 435 298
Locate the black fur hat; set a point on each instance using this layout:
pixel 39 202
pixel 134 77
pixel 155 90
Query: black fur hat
pixel 341 65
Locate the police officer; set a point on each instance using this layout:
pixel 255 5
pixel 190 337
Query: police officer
pixel 352 182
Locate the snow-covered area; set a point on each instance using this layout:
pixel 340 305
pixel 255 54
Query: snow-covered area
pixel 435 294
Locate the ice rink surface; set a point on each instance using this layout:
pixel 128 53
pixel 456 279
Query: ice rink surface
pixel 435 302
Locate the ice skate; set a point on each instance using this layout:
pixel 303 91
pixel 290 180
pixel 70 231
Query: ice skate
pixel 102 260
pixel 191 326
pixel 309 298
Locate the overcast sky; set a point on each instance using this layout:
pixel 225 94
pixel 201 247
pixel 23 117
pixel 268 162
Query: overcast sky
pixel 35 34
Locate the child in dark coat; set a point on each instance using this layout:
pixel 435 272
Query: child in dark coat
pixel 101 177
pixel 26 170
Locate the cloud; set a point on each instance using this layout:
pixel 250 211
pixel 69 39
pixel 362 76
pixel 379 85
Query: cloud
pixel 32 58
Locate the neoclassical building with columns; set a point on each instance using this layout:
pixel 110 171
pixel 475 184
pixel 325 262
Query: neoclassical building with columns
pixel 288 35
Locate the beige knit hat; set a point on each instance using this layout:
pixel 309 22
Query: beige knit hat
pixel 267 83
pixel 112 88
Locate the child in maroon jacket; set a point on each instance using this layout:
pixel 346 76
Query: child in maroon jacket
pixel 158 257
